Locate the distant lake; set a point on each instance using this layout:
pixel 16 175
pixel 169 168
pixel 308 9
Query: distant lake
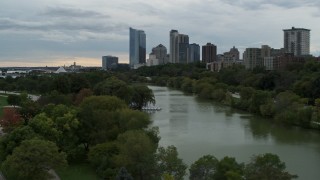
pixel 199 127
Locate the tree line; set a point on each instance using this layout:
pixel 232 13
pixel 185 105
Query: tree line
pixel 98 120
pixel 291 96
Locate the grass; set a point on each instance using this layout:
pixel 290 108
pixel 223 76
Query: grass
pixel 77 172
pixel 3 102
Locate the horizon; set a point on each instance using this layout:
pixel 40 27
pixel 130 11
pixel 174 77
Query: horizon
pixel 57 33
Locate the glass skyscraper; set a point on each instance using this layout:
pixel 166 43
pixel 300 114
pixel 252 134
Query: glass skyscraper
pixel 137 46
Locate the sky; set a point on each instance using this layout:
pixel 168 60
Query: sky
pixel 60 32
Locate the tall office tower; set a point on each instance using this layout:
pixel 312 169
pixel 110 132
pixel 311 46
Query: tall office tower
pixel 209 53
pixel 297 41
pixel 109 62
pixel 137 47
pixel 161 53
pixel 194 53
pixel 179 44
pixel 252 58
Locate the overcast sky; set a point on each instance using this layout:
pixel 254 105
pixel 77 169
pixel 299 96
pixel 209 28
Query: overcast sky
pixel 59 32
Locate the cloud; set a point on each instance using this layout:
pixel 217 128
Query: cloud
pixel 261 4
pixel 69 12
pixel 66 25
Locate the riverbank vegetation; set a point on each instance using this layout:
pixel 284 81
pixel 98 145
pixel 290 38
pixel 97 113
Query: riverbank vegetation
pixel 290 97
pixel 96 119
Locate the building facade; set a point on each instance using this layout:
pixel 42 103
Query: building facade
pixel 160 53
pixel 194 53
pixel 179 44
pixel 209 53
pixel 252 58
pixel 297 41
pixel 137 46
pixel 109 62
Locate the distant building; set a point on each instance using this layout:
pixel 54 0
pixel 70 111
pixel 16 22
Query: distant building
pixel 60 70
pixel 153 60
pixel 179 44
pixel 232 56
pixel 252 58
pixel 194 53
pixel 137 46
pixel 297 41
pixel 109 62
pixel 209 53
pixel 160 53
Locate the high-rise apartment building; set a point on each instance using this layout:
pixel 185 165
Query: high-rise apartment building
pixel 297 41
pixel 137 46
pixel 209 53
pixel 252 58
pixel 194 53
pixel 179 44
pixel 109 62
pixel 160 53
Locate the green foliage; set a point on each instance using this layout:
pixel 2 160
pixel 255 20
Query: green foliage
pixel 114 87
pixel 204 168
pixel 268 167
pixel 14 100
pixel 136 153
pixel 141 97
pixel 62 84
pixel 101 157
pixel 13 139
pixel 169 163
pixel 33 159
pixel 228 168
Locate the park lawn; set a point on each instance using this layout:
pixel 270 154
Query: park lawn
pixel 77 172
pixel 3 102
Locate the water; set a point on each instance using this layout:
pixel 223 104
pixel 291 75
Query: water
pixel 199 127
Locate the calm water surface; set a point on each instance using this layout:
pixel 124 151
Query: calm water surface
pixel 197 127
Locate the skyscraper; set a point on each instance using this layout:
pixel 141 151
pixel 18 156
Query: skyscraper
pixel 297 41
pixel 179 44
pixel 209 53
pixel 194 53
pixel 137 47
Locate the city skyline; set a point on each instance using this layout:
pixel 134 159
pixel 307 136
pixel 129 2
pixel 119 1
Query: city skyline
pixel 39 33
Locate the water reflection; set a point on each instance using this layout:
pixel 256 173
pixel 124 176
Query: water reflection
pixel 198 127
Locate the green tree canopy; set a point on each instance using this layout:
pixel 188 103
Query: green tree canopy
pixel 33 159
pixel 267 167
pixel 169 163
pixel 204 168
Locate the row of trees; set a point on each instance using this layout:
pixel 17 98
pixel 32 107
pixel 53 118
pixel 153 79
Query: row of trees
pixel 101 125
pixel 290 97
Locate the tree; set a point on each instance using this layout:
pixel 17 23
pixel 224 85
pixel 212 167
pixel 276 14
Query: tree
pixel 14 100
pixel 62 84
pixel 204 168
pixel 141 97
pixel 33 159
pixel 268 167
pixel 169 163
pixel 136 153
pixel 10 141
pixel 10 119
pixel 228 168
pixel 101 157
pixel 83 93
pixel 97 115
pixel 123 174
pixel 114 87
